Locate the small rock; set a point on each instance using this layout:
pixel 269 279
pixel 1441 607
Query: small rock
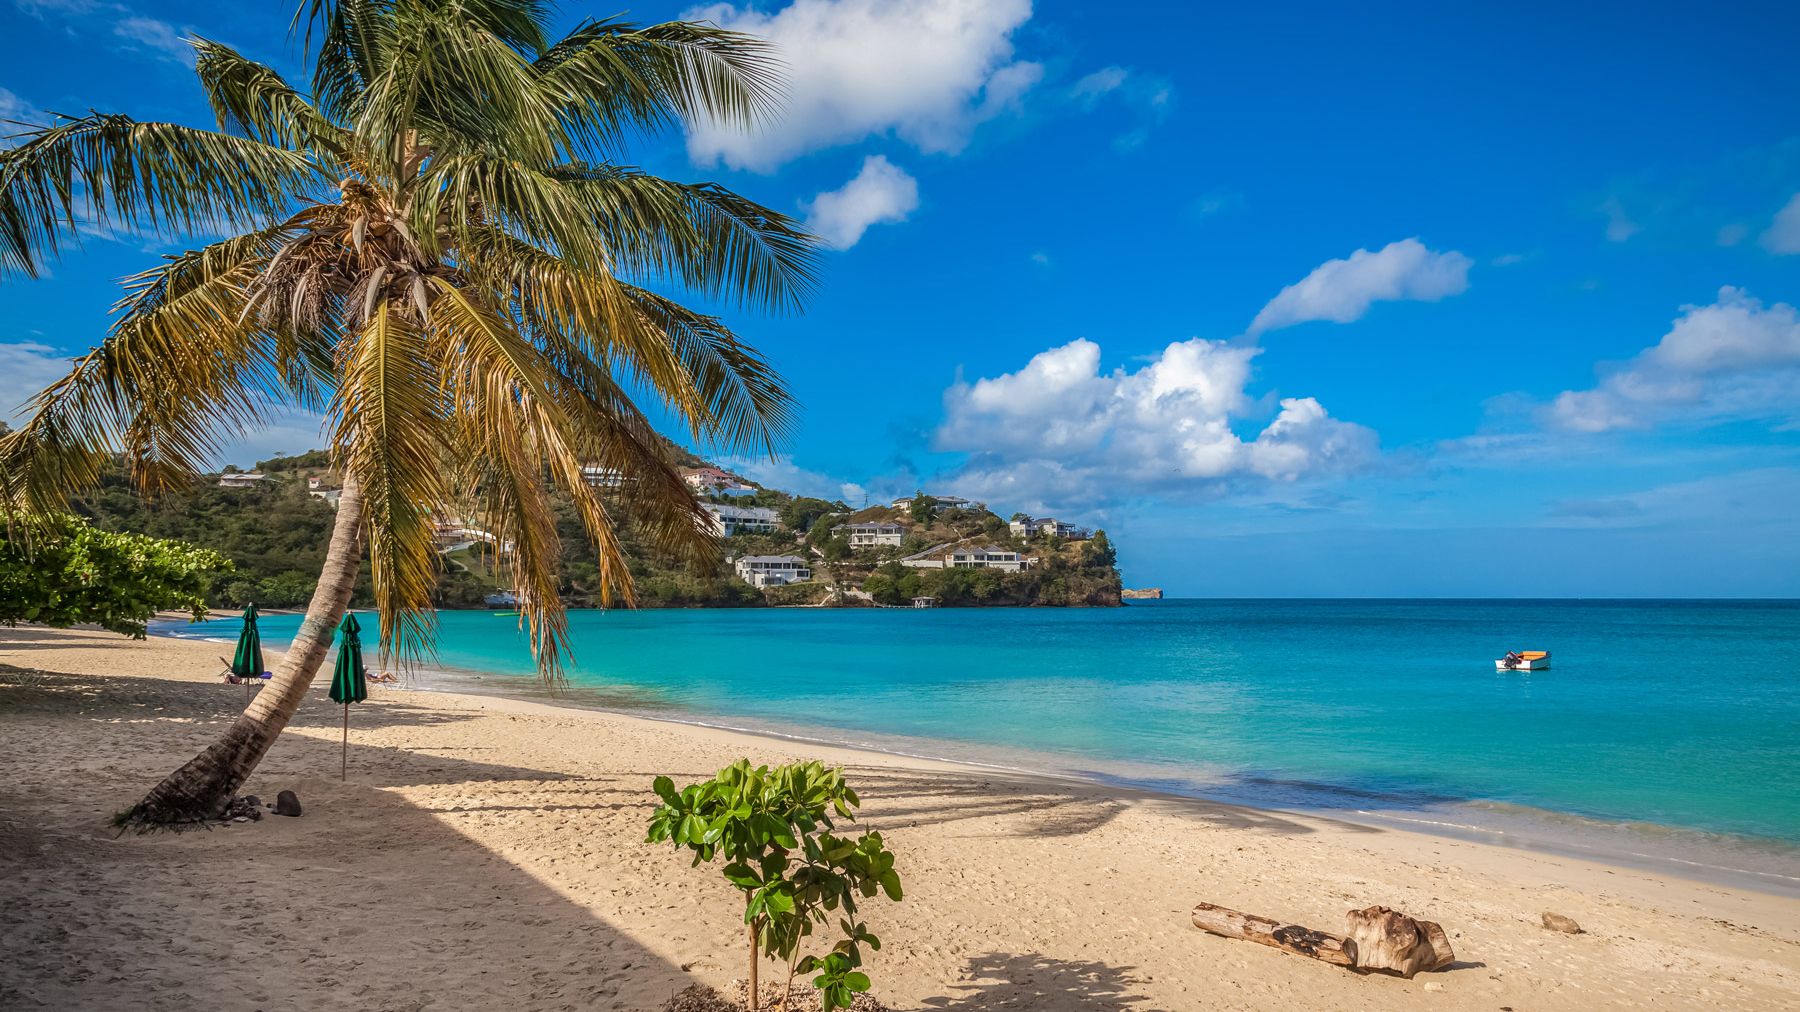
pixel 240 818
pixel 1432 985
pixel 287 803
pixel 1557 922
pixel 252 801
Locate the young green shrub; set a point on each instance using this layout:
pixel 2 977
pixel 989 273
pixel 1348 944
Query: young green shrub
pixel 774 829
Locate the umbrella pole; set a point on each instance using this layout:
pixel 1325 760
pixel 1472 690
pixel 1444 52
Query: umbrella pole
pixel 344 762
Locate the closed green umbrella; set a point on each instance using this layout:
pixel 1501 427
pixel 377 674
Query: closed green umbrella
pixel 349 682
pixel 247 663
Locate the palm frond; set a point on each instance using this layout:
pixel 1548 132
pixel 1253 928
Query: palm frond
pixel 252 98
pixel 390 429
pixel 613 78
pixel 115 170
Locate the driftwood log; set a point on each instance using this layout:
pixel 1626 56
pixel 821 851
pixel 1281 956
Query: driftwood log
pixel 1380 940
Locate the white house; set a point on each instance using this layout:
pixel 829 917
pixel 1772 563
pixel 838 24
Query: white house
pixel 772 570
pixel 709 477
pixel 248 479
pixel 943 502
pixel 330 495
pixel 1027 527
pixel 871 534
pixel 964 557
pixel 987 558
pixel 602 477
pixel 728 520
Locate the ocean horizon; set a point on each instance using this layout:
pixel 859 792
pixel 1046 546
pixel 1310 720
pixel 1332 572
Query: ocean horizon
pixel 1666 733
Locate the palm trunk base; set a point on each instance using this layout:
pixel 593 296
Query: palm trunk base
pixel 202 789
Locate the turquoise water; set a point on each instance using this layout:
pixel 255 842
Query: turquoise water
pixel 1679 714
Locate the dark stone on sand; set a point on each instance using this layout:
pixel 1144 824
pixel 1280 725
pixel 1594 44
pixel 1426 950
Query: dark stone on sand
pixel 287 803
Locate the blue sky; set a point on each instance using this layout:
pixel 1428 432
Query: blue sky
pixel 1294 299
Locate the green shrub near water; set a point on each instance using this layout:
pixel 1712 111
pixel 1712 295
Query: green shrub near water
pixel 67 572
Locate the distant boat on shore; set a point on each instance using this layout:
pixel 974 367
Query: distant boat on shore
pixel 1524 660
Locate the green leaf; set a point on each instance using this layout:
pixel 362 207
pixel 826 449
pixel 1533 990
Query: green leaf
pixel 665 789
pixel 856 981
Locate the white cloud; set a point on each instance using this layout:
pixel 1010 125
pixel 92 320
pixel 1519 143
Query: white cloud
pixel 26 368
pixel 158 37
pixel 1104 81
pixel 17 116
pixel 1343 290
pixel 1783 235
pixel 1147 97
pixel 927 71
pixel 1731 359
pixel 790 477
pixel 1620 226
pixel 882 191
pixel 1061 434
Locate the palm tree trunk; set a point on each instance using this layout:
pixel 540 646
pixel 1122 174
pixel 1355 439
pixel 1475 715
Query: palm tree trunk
pixel 201 789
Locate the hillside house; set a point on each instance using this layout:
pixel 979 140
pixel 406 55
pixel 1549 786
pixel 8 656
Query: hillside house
pixel 605 478
pixel 1027 527
pixel 728 520
pixel 246 479
pixel 871 534
pixel 772 570
pixel 942 502
pixel 699 478
pixel 966 557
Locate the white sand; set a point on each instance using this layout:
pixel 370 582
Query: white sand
pixel 488 853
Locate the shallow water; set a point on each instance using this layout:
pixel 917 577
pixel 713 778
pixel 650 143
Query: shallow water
pixel 1682 718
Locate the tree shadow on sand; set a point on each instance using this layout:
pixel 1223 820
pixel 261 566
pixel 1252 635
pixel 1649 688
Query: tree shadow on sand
pixel 1007 980
pixel 369 900
pixel 925 798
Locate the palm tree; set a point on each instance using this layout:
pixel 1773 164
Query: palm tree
pixel 440 250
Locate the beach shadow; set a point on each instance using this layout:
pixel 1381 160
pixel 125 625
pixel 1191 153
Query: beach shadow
pixel 927 798
pixel 1007 980
pixel 372 899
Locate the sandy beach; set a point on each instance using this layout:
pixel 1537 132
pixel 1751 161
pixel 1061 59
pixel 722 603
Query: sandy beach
pixel 489 853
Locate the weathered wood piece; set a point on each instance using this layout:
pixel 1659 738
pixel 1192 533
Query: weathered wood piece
pixel 1380 940
pixel 1387 941
pixel 1300 941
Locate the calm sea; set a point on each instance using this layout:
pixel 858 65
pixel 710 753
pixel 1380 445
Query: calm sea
pixel 1665 730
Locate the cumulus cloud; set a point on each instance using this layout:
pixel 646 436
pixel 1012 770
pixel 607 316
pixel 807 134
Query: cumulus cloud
pixel 1783 234
pixel 881 192
pixel 1734 358
pixel 1059 433
pixel 1343 290
pixel 927 71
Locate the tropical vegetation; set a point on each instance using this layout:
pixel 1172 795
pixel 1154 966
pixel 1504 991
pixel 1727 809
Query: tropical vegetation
pixel 69 573
pixel 437 243
pixel 774 827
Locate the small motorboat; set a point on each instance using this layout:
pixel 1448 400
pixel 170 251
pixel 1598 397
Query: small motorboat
pixel 1524 660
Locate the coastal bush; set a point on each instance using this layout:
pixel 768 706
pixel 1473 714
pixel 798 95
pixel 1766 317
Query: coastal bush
pixel 774 827
pixel 69 572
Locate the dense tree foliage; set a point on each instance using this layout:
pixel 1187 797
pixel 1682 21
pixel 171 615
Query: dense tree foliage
pixel 275 535
pixel 69 572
